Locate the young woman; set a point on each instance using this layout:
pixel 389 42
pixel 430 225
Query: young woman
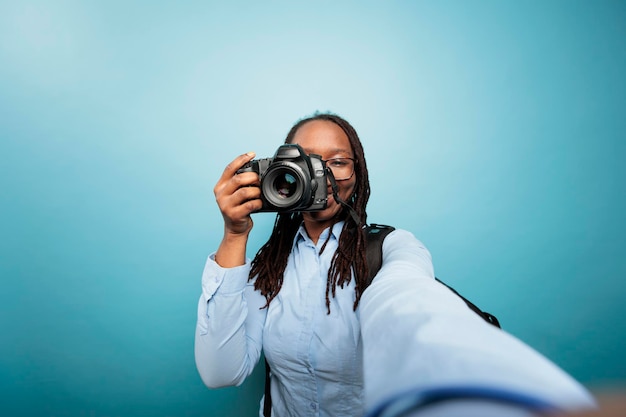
pixel 299 302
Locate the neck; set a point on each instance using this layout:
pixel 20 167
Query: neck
pixel 315 228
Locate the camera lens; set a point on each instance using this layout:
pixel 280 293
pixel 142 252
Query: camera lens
pixel 285 185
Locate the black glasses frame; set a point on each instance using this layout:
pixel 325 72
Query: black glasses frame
pixel 354 161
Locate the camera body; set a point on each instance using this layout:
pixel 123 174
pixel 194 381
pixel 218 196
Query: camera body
pixel 291 180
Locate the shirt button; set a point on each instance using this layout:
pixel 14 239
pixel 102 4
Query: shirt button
pixel 313 406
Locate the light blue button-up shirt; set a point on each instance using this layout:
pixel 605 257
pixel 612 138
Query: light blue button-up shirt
pixel 316 357
pixel 416 337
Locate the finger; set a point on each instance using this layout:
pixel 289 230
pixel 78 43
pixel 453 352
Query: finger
pixel 240 197
pixel 229 181
pixel 248 193
pixel 231 203
pixel 246 180
pixel 249 206
pixel 240 214
pixel 237 163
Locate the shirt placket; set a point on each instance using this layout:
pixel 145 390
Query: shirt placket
pixel 309 305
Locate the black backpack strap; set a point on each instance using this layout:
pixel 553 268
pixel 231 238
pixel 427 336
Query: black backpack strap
pixel 374 236
pixel 267 402
pixel 489 318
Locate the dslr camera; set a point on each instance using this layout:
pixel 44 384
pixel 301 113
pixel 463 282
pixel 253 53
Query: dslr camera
pixel 291 180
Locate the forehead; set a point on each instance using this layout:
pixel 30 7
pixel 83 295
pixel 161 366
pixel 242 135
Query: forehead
pixel 324 138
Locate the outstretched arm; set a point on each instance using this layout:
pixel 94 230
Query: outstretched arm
pixel 421 341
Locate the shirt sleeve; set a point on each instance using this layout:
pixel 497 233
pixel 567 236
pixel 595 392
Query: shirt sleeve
pixel 419 337
pixel 229 328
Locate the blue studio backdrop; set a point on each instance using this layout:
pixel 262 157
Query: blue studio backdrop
pixel 494 130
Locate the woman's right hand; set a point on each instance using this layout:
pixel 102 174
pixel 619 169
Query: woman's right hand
pixel 237 196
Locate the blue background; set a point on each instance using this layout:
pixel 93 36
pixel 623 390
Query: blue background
pixel 495 131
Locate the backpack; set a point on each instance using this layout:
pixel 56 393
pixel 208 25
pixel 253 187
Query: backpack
pixel 375 235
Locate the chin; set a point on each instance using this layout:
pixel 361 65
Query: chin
pixel 327 214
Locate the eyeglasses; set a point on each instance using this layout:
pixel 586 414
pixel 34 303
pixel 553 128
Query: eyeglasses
pixel 342 168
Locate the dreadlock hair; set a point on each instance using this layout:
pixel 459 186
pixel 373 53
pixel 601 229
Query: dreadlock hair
pixel 270 261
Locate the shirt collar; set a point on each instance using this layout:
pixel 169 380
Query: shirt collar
pixel 335 231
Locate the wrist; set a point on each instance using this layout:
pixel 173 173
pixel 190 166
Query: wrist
pixel 232 250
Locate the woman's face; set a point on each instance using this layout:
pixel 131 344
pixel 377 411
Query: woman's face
pixel 328 140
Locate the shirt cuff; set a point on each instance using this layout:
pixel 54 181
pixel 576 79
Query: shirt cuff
pixel 418 399
pixel 225 280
